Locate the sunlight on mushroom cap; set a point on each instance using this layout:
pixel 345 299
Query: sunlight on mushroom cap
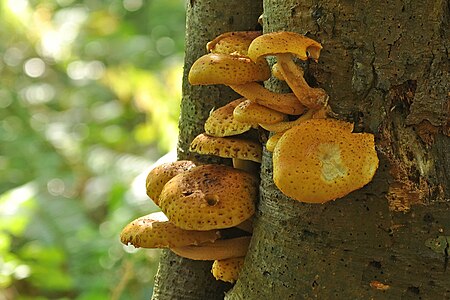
pixel 227 147
pixel 218 68
pixel 227 269
pixel 221 122
pixel 232 42
pixel 251 112
pixel 321 160
pixel 155 231
pixel 158 176
pixel 209 197
pixel 284 42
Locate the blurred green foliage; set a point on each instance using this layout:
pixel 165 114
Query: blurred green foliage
pixel 89 99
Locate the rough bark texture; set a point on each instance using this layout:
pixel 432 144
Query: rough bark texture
pixel 385 65
pixel 180 278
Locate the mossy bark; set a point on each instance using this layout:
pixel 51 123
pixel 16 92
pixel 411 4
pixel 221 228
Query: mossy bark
pixel 180 278
pixel 385 66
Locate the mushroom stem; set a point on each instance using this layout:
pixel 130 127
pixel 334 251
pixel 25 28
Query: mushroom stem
pixel 246 165
pixel 285 103
pixel 283 126
pixel 294 76
pixel 221 249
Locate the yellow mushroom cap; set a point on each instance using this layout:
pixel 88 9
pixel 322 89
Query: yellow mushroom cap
pixel 227 147
pixel 236 42
pixel 219 68
pixel 251 112
pixel 209 197
pixel 221 122
pixel 321 160
pixel 227 269
pixel 284 42
pixel 158 176
pixel 155 231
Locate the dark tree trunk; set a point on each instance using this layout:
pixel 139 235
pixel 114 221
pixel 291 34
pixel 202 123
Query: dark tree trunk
pixel 180 278
pixel 385 66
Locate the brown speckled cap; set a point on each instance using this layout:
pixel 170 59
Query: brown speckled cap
pixel 158 176
pixel 209 197
pixel 221 122
pixel 155 231
pixel 284 42
pixel 321 160
pixel 227 147
pixel 227 269
pixel 232 42
pixel 219 68
pixel 251 112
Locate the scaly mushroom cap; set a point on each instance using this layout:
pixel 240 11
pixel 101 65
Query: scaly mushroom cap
pixel 321 160
pixel 209 197
pixel 218 68
pixel 158 176
pixel 236 42
pixel 155 231
pixel 251 112
pixel 227 147
pixel 221 122
pixel 284 42
pixel 227 269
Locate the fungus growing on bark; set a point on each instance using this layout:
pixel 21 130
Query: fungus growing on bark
pixel 273 140
pixel 155 231
pixel 218 250
pixel 251 112
pixel 238 149
pixel 235 42
pixel 321 160
pixel 227 269
pixel 222 122
pixel 209 197
pixel 158 176
pixel 283 126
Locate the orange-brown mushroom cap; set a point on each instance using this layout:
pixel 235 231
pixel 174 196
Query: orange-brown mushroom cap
pixel 219 68
pixel 321 160
pixel 227 269
pixel 158 176
pixel 251 112
pixel 227 147
pixel 209 197
pixel 155 231
pixel 232 42
pixel 222 122
pixel 284 42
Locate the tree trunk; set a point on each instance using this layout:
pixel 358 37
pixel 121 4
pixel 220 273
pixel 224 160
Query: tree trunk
pixel 385 66
pixel 180 278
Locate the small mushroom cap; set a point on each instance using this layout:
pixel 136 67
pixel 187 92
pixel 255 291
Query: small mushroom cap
pixel 158 176
pixel 209 197
pixel 221 122
pixel 251 112
pixel 236 42
pixel 155 231
pixel 321 160
pixel 219 68
pixel 284 42
pixel 227 269
pixel 227 147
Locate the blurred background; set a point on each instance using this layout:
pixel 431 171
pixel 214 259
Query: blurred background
pixel 89 100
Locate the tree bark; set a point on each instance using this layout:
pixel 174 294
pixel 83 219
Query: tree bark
pixel 180 278
pixel 385 66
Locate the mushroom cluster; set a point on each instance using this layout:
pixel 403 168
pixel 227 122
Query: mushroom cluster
pixel 315 158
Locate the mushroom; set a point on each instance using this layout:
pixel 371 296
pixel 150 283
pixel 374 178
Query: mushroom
pixel 283 126
pixel 282 45
pixel 158 176
pixel 251 112
pixel 238 149
pixel 227 269
pixel 218 250
pixel 155 231
pixel 321 160
pixel 209 197
pixel 242 74
pixel 222 122
pixel 273 140
pixel 235 42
